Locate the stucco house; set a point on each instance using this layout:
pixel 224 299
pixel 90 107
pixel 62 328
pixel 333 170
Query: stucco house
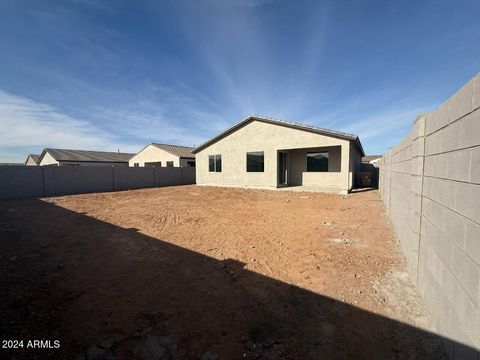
pixel 268 153
pixel 32 160
pixel 66 157
pixel 164 155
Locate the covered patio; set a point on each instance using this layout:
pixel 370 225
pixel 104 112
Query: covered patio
pixel 308 169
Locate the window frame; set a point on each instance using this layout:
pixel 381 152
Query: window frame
pixel 318 152
pixel 217 160
pixel 255 153
pixel 169 164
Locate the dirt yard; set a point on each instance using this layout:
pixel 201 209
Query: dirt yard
pixel 208 273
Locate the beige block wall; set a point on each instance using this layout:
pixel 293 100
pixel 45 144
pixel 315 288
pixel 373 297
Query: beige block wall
pixel 153 154
pixel 269 138
pixel 430 184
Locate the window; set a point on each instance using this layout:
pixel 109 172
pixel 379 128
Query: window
pixel 135 164
pixel 255 161
pixel 215 163
pixel 169 163
pixel 317 161
pixel 190 163
pixel 153 164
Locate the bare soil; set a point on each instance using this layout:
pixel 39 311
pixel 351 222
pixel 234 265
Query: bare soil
pixel 208 273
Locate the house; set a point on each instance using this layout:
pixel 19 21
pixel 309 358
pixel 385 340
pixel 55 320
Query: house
pixel 164 155
pixel 267 153
pixel 32 160
pixel 371 159
pixel 66 157
pixel 367 175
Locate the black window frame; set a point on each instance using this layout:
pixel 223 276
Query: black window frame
pixel 169 163
pixel 317 169
pixel 215 163
pixel 256 166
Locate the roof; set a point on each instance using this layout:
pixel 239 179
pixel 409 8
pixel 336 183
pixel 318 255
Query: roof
pixel 35 157
pixel 180 151
pixel 292 125
pixel 368 158
pixel 87 155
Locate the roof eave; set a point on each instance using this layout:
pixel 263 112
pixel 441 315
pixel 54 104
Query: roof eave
pixel 225 133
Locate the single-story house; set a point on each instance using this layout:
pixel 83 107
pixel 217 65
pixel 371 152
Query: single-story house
pixel 267 153
pixel 32 160
pixel 371 159
pixel 164 155
pixel 66 157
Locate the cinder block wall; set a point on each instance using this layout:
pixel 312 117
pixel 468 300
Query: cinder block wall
pixel 21 182
pixel 430 184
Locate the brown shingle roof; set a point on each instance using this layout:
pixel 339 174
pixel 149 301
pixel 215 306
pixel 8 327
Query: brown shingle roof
pixel 87 155
pixel 293 125
pixel 180 151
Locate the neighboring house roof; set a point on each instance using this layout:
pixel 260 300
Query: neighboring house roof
pixel 35 157
pixel 292 125
pixel 368 158
pixel 86 155
pixel 180 151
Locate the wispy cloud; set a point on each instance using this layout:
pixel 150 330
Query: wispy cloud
pixel 28 126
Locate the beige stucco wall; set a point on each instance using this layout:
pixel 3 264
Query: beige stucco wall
pixel 298 168
pixel 153 154
pixel 30 162
pixel 260 136
pixel 48 160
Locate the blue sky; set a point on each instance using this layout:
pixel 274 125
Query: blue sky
pixel 108 75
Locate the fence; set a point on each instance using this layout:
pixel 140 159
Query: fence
pixel 430 184
pixel 19 182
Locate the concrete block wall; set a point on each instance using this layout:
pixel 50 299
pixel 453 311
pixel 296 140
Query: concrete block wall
pixel 430 184
pixel 21 182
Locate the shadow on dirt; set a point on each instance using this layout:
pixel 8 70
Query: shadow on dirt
pixel 106 291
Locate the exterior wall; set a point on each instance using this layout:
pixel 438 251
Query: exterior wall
pixel 430 184
pixel 184 161
pixel 48 160
pixel 260 136
pixel 298 174
pixel 30 162
pixel 355 164
pixel 153 154
pixel 19 182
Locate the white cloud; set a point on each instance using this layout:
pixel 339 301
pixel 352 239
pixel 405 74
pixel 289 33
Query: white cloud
pixel 28 125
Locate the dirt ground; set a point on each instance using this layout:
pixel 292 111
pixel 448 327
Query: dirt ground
pixel 208 273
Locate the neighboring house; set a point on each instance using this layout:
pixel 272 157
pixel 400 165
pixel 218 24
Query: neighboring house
pixel 164 155
pixel 367 176
pixel 32 160
pixel 66 157
pixel 268 153
pixel 371 159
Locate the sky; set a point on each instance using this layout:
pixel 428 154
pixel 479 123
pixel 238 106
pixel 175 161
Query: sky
pixel 118 75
